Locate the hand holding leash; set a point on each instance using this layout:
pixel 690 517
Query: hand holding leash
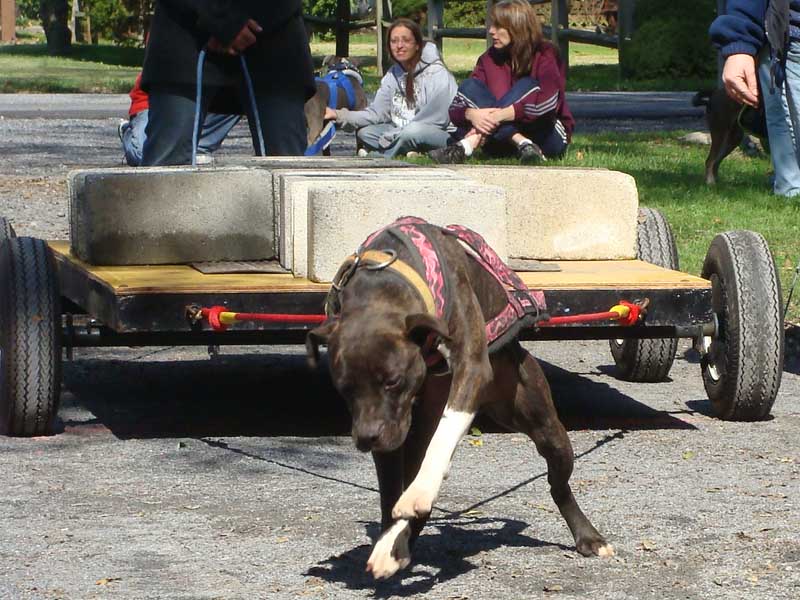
pixel 243 40
pixel 739 78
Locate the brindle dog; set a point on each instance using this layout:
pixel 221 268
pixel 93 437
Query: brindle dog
pixel 412 419
pixel 728 123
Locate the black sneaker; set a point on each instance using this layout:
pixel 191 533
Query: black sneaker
pixel 530 154
pixel 449 155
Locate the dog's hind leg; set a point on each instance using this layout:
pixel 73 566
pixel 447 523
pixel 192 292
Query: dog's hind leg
pixel 721 146
pixel 529 409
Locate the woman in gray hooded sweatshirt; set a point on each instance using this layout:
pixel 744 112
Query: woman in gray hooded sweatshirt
pixel 410 109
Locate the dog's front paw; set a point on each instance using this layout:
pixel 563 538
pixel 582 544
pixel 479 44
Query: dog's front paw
pixel 595 547
pixel 416 501
pixel 391 552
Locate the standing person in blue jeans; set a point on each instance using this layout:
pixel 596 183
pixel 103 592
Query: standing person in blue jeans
pixel 514 101
pixel 272 39
pixel 766 33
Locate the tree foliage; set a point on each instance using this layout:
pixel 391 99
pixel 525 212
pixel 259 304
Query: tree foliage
pixel 670 40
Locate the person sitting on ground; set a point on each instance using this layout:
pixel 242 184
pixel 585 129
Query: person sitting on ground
pixel 409 112
pixel 132 133
pixel 515 98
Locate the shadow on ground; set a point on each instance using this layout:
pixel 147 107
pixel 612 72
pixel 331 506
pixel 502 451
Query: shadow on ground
pixel 441 554
pixel 277 395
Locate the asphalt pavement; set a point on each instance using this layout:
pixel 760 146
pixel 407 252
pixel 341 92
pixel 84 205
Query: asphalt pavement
pixel 584 105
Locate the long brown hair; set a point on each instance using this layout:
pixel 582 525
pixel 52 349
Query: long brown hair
pixel 415 30
pixel 522 23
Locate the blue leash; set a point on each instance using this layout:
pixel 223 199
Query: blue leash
pixel 334 80
pixel 201 59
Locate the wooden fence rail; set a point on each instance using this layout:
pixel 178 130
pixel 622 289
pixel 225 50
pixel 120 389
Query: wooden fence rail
pixel 558 30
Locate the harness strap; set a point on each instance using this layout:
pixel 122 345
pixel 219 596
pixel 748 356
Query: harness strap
pixel 333 80
pixel 323 141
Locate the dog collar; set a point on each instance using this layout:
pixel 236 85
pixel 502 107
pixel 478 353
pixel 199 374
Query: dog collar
pixel 377 260
pixel 406 271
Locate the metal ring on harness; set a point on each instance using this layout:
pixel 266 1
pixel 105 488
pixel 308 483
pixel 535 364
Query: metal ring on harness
pixel 345 276
pixel 392 257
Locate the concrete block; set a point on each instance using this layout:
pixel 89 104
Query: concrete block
pixel 164 215
pixel 564 213
pixel 341 217
pixel 313 162
pixel 290 189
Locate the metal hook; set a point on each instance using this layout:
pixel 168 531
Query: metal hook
pixel 392 257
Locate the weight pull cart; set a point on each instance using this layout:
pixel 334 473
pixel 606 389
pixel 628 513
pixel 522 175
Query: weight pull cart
pixel 51 302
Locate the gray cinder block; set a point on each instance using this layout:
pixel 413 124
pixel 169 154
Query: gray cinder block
pixel 341 217
pixel 290 189
pixel 171 215
pixel 565 213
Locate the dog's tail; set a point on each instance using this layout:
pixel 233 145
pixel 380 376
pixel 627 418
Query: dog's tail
pixel 702 98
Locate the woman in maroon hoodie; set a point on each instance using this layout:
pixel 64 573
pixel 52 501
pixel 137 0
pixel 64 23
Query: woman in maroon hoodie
pixel 514 101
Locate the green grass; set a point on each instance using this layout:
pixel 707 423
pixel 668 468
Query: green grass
pixel 98 69
pixel 669 177
pixel 105 68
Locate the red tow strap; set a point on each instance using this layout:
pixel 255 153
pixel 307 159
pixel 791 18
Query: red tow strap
pixel 220 318
pixel 625 313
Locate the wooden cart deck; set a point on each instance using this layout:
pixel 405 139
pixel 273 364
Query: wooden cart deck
pixel 153 298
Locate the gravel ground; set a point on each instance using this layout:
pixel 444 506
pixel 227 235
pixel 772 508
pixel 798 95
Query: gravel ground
pixel 180 476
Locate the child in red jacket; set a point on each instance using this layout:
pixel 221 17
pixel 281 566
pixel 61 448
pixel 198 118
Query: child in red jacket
pixel 514 101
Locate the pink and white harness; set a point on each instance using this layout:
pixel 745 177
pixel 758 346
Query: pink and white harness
pixel 524 307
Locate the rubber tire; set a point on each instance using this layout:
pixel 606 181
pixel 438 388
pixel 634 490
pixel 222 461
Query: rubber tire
pixel 747 352
pixel 649 360
pixel 6 230
pixel 30 338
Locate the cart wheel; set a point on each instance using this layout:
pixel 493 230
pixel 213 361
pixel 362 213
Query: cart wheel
pixel 743 365
pixel 30 338
pixel 649 360
pixel 6 230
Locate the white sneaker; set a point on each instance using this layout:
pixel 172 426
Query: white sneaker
pixel 413 154
pixel 362 153
pixel 204 159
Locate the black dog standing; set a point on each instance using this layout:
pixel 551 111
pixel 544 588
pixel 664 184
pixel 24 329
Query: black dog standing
pixel 389 317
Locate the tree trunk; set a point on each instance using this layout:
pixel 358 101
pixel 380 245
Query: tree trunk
pixel 54 14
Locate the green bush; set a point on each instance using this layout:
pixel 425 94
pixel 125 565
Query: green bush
pixel 465 13
pixel 28 11
pixel 670 40
pixel 411 9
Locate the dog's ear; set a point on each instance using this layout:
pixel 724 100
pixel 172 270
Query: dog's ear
pixel 420 325
pixel 318 336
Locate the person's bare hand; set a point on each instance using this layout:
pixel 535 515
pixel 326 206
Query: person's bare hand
pixel 245 38
pixel 483 119
pixel 739 78
pixel 214 45
pixel 329 114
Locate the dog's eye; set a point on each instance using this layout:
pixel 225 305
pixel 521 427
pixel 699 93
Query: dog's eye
pixel 393 382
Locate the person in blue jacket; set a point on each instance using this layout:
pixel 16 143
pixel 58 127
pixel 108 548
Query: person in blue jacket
pixel 760 42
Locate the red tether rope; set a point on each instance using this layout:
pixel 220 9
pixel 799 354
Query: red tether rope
pixel 219 317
